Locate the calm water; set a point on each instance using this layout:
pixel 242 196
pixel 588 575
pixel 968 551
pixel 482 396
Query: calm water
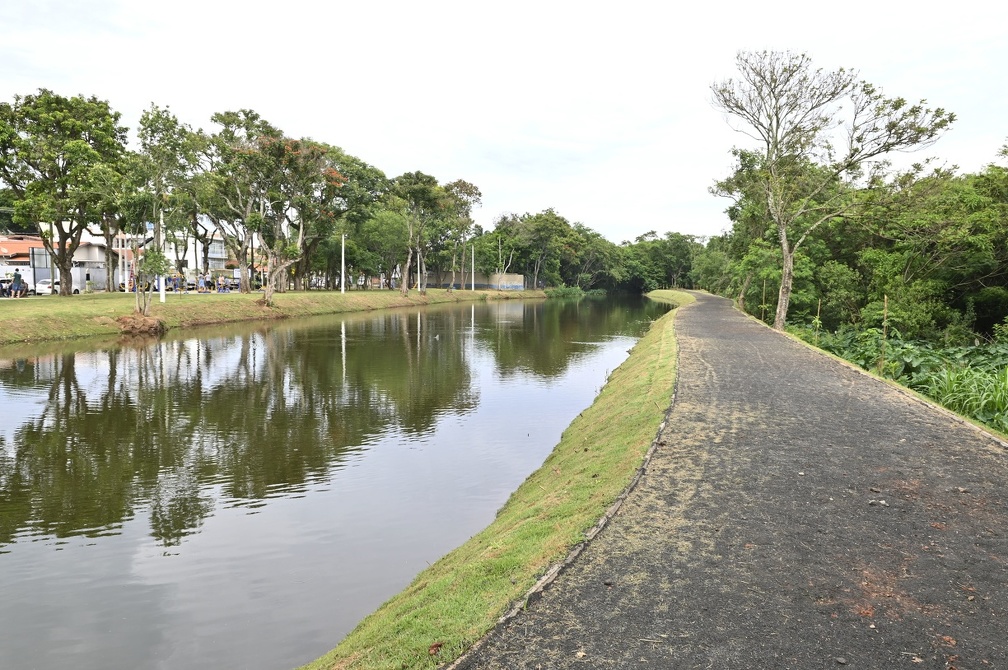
pixel 241 498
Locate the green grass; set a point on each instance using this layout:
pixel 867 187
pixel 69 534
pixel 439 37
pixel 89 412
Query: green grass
pixel 460 597
pixel 979 394
pixel 970 380
pixel 47 318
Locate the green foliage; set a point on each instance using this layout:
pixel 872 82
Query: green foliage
pixel 805 174
pixel 969 379
pixel 52 150
pixel 565 292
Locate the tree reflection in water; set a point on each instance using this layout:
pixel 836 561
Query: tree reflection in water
pixel 405 430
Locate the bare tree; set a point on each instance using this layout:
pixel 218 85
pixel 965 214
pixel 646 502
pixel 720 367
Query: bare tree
pixel 821 134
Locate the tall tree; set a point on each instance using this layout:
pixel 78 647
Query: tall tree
pixel 167 158
pixel 241 175
pixel 51 149
pixel 340 206
pixel 423 201
pixel 463 198
pixel 820 134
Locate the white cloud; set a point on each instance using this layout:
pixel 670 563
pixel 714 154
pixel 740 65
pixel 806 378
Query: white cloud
pixel 601 111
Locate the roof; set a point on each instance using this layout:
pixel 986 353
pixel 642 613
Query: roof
pixel 17 248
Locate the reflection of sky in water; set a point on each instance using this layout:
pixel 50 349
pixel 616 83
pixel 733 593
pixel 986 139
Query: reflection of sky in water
pixel 277 582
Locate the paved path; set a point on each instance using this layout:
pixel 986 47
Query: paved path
pixel 798 514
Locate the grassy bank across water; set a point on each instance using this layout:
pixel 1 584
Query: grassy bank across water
pixel 47 318
pixel 453 603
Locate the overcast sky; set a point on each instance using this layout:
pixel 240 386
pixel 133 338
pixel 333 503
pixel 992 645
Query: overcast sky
pixel 601 111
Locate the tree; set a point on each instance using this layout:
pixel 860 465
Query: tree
pixel 237 199
pixel 820 134
pixel 340 206
pixel 422 201
pixel 301 187
pixel 167 158
pixel 463 197
pixel 589 258
pixel 51 151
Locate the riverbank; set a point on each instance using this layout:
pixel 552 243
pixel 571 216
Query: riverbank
pixel 52 318
pixel 453 603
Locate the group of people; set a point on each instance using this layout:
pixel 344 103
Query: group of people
pixel 206 284
pixel 178 284
pixel 18 287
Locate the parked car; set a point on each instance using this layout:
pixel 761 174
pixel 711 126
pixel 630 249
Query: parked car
pixel 48 287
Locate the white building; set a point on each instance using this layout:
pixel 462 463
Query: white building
pixel 183 252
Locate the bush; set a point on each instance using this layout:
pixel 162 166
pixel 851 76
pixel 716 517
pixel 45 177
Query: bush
pixel 565 292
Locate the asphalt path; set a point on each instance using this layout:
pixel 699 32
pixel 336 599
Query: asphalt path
pixel 796 513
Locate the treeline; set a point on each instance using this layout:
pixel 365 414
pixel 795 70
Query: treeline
pixel 289 209
pixel 924 256
pixel 825 232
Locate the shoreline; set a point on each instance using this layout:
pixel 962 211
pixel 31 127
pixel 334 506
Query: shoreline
pixel 450 606
pixel 57 318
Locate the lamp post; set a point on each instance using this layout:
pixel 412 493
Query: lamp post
pixel 342 271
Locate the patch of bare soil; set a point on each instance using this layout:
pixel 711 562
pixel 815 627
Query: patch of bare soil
pixel 138 324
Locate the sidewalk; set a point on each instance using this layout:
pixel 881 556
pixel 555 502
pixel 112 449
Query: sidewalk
pixel 797 514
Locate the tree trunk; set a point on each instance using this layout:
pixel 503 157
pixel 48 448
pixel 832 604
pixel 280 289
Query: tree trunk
pixel 109 266
pixel 742 292
pixel 784 296
pixel 421 273
pixel 404 278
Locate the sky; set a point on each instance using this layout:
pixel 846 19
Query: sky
pixel 601 111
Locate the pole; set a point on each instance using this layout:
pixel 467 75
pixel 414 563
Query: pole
pixel 160 245
pixel 473 267
pixel 342 271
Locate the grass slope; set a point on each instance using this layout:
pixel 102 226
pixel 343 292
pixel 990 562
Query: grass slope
pixel 453 603
pixel 47 318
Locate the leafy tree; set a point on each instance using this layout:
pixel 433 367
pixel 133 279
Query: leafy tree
pixel 382 236
pixel 7 199
pixel 342 207
pixel 167 158
pixel 463 197
pixel 642 272
pixel 301 191
pixel 240 178
pixel 819 134
pixel 589 259
pixel 711 266
pixel 422 201
pixel 51 150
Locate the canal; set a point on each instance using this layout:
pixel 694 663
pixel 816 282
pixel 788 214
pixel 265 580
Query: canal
pixel 242 497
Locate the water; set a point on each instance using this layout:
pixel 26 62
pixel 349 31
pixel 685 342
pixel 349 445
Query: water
pixel 242 497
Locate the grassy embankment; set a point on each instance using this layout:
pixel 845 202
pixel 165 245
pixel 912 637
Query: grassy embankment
pixel 48 318
pixel 453 603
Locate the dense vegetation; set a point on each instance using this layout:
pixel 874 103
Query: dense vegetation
pixel 929 255
pixel 284 207
pixel 904 272
pixel 826 236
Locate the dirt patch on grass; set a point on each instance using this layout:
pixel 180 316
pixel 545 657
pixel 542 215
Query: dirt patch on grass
pixel 138 324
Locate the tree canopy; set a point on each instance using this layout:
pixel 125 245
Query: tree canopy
pixel 820 134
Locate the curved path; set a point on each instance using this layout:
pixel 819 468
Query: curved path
pixel 796 514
